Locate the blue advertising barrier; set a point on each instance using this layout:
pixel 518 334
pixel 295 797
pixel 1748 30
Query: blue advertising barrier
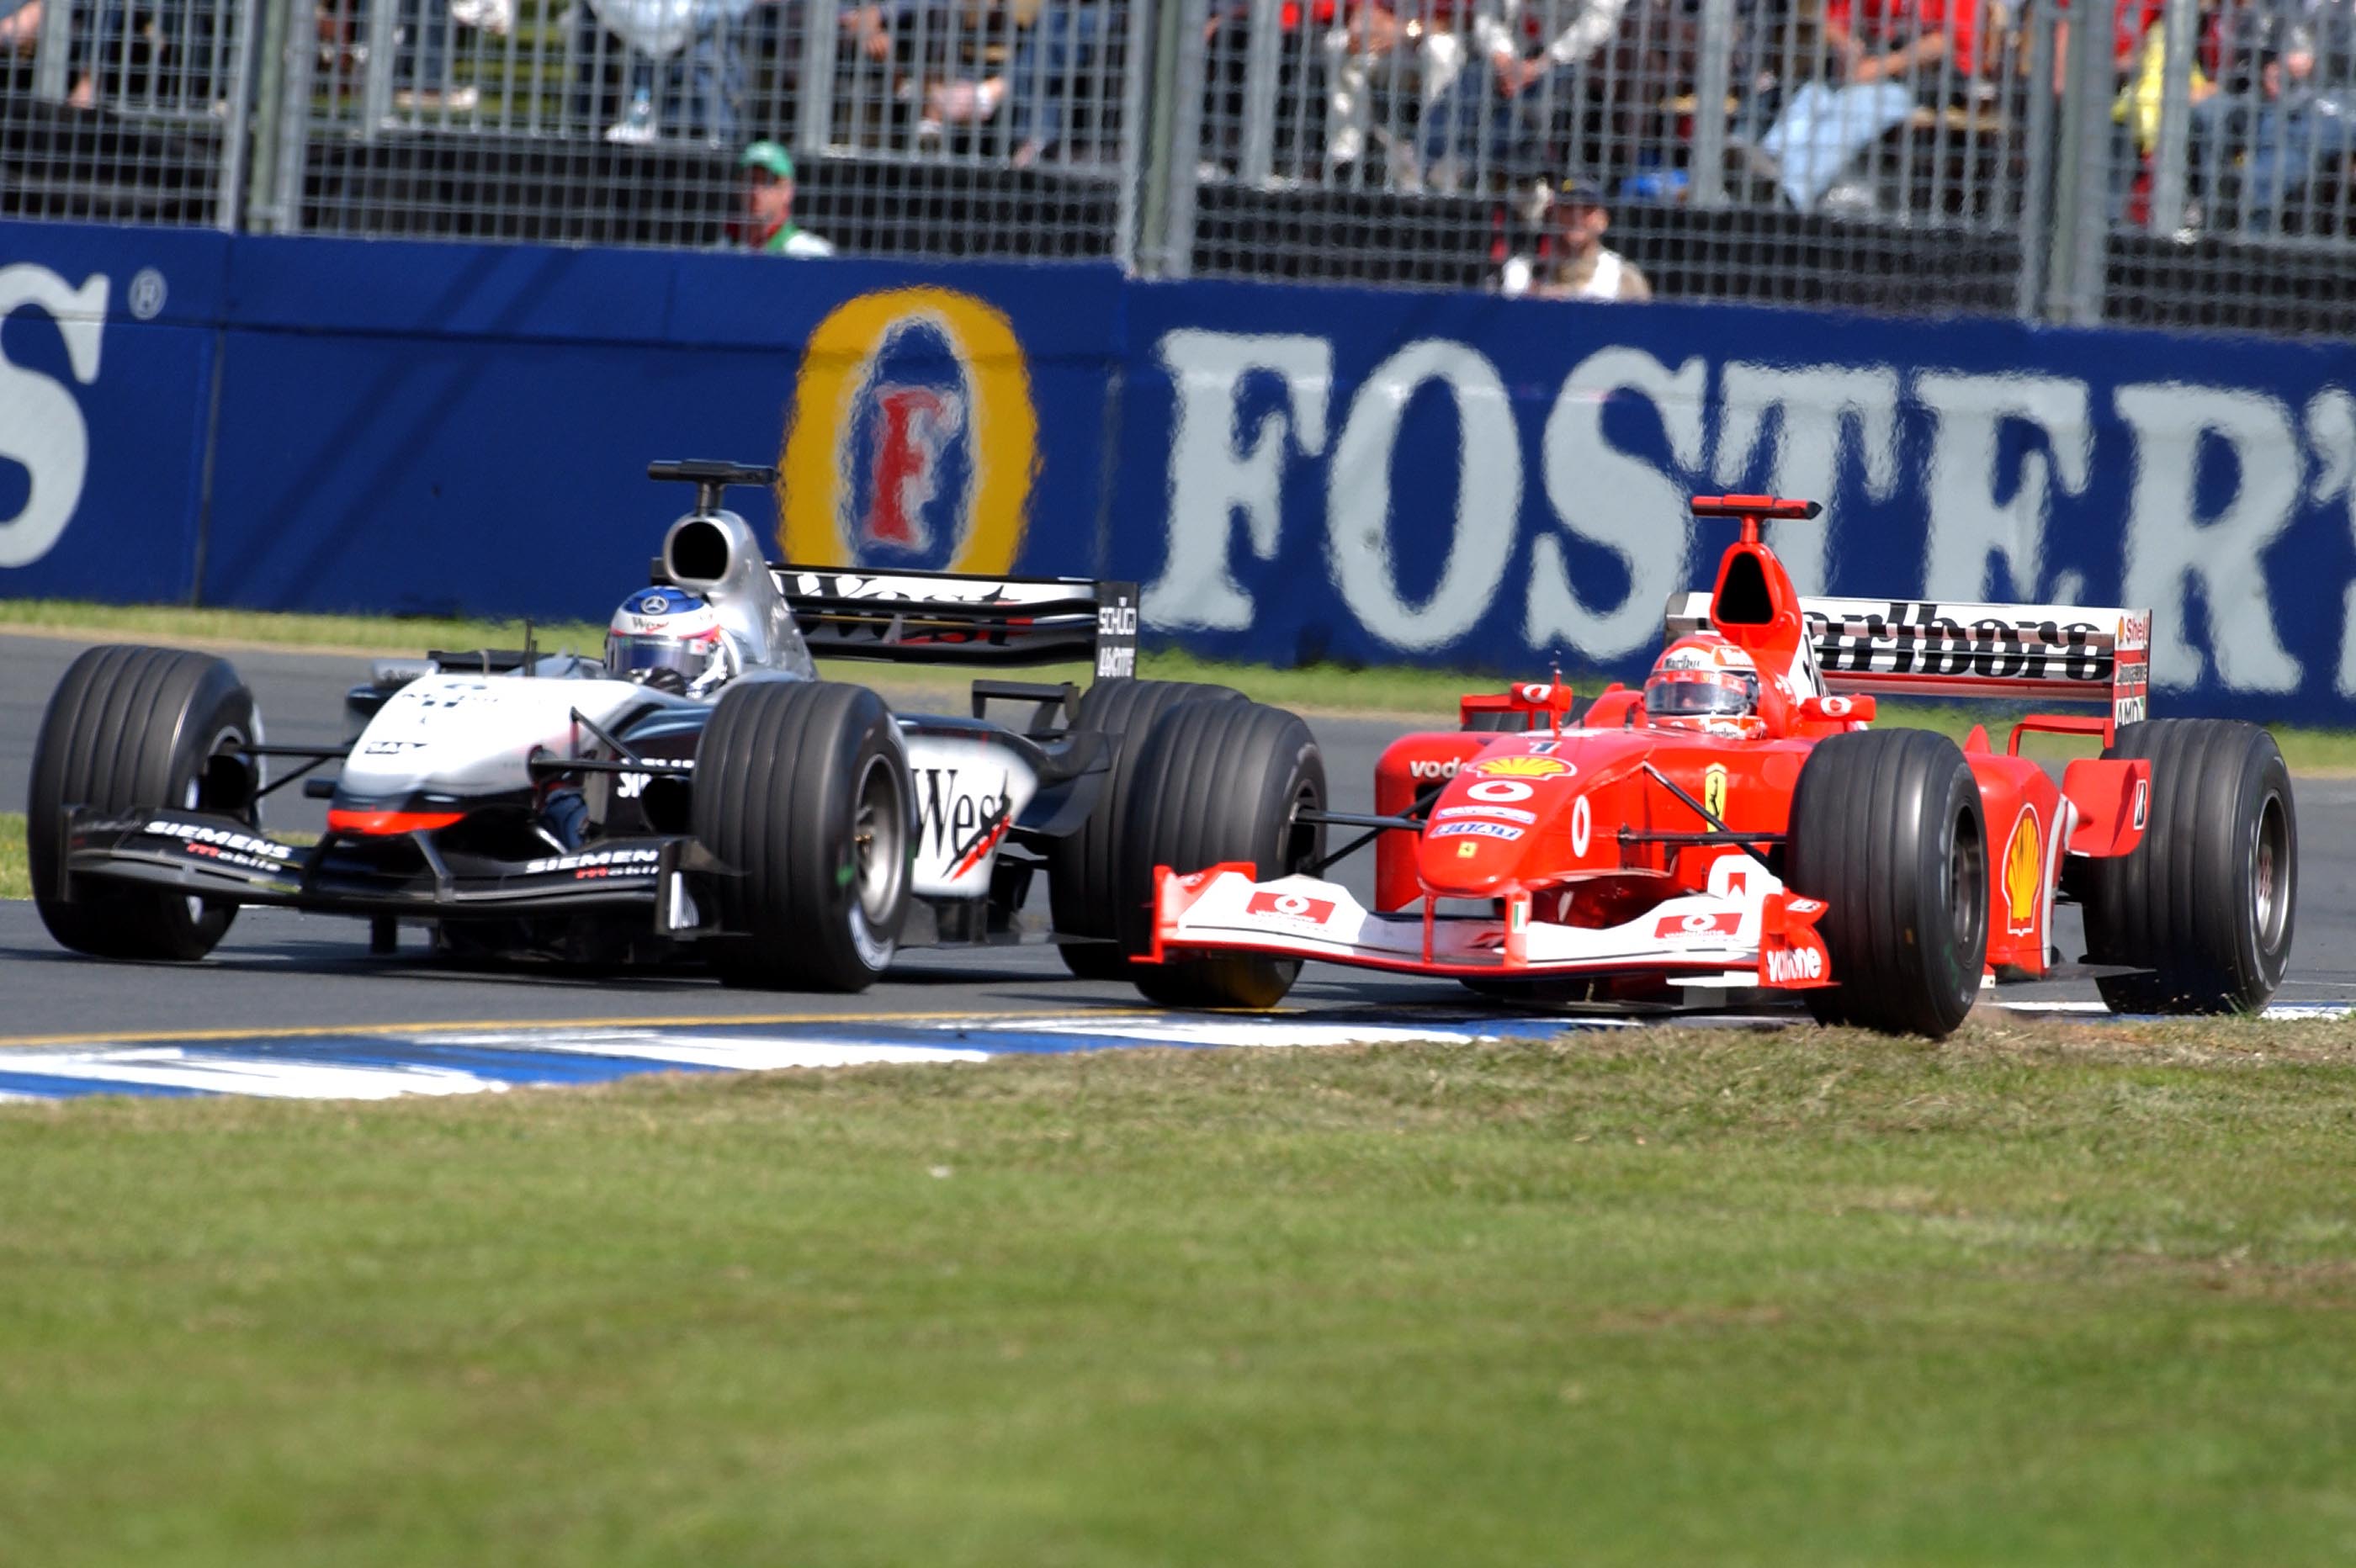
pixel 1295 474
pixel 338 425
pixel 1487 484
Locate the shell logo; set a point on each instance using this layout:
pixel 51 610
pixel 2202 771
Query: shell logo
pixel 1525 768
pixel 912 439
pixel 2024 882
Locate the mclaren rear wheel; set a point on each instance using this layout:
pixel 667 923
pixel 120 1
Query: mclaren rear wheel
pixel 1218 781
pixel 1083 872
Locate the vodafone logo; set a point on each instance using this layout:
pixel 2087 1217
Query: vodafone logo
pixel 1835 706
pixel 1796 964
pixel 1291 906
pixel 1498 790
pixel 1422 769
pixel 1724 923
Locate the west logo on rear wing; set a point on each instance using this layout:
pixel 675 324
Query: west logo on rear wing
pixel 937 616
pixel 1929 647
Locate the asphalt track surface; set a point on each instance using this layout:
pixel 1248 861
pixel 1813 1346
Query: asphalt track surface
pixel 280 975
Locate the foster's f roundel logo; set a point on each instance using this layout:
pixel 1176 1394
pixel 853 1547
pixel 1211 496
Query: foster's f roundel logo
pixel 913 439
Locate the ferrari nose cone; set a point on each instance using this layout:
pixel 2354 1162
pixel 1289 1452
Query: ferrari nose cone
pixel 1484 823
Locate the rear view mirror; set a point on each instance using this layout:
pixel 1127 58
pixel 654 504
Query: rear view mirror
pixel 1837 709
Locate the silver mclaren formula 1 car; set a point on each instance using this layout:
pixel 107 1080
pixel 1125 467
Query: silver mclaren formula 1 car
pixel 698 793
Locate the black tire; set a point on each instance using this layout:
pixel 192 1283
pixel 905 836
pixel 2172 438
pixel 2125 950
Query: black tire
pixel 1888 829
pixel 1084 869
pixel 802 787
pixel 2205 903
pixel 132 727
pixel 1219 780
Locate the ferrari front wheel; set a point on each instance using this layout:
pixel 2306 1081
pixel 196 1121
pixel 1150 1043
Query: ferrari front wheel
pixel 1887 830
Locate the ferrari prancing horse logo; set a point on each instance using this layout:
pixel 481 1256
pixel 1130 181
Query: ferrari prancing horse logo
pixel 1713 790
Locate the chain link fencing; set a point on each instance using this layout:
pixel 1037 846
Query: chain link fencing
pixel 2192 167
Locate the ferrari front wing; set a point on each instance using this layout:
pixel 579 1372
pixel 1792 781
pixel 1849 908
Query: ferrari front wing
pixel 1763 936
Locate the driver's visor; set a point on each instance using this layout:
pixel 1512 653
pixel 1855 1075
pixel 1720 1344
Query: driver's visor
pixel 1700 695
pixel 635 655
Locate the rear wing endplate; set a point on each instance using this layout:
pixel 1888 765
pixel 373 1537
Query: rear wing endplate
pixel 2033 653
pixel 938 617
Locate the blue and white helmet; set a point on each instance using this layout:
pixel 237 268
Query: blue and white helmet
pixel 659 630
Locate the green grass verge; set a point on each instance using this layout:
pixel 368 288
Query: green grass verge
pixel 15 875
pixel 2041 1296
pixel 1317 689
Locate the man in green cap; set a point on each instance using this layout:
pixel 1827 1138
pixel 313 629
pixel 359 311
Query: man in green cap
pixel 769 203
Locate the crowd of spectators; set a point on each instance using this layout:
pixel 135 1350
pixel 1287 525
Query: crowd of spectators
pixel 1905 108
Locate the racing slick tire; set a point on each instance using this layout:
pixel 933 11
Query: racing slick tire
pixel 802 788
pixel 132 727
pixel 1219 780
pixel 1083 874
pixel 2204 904
pixel 1888 830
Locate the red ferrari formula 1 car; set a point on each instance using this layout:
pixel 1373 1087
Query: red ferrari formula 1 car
pixel 1739 825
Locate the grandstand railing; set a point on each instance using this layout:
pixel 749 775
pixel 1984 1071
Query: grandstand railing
pixel 2197 167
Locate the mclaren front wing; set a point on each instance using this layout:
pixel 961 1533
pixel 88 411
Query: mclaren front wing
pixel 220 857
pixel 1745 933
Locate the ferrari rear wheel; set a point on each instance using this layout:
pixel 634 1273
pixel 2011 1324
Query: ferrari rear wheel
pixel 2205 904
pixel 1084 872
pixel 1887 828
pixel 802 788
pixel 1216 781
pixel 133 728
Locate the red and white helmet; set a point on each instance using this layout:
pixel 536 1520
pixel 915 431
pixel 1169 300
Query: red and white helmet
pixel 1705 683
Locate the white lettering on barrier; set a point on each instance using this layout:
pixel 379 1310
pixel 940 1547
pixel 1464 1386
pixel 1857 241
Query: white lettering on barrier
pixel 1488 496
pixel 1969 527
pixel 2170 551
pixel 1979 507
pixel 2331 426
pixel 1212 479
pixel 1830 416
pixel 1609 497
pixel 42 425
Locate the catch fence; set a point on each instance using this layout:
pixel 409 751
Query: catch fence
pixel 2191 167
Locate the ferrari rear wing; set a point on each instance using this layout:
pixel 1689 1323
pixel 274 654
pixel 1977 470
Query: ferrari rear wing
pixel 2035 653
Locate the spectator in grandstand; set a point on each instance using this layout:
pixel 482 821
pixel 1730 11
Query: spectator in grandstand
pixel 769 203
pixel 1578 266
pixel 1862 74
pixel 1495 112
pixel 1374 59
pixel 1073 44
pixel 659 69
pixel 2280 120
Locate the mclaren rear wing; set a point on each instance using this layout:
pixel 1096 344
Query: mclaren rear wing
pixel 946 618
pixel 933 617
pixel 2033 652
pixel 941 617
